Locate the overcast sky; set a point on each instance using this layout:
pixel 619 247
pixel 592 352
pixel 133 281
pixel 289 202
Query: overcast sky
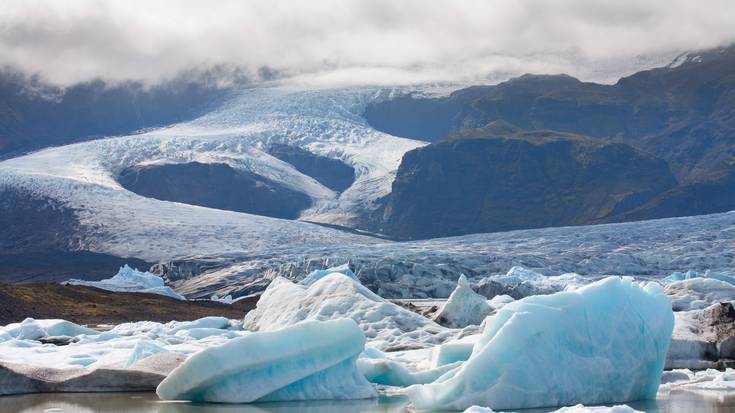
pixel 352 41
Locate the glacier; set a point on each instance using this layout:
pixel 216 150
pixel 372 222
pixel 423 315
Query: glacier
pixel 329 123
pixel 312 360
pixel 604 342
pixel 131 280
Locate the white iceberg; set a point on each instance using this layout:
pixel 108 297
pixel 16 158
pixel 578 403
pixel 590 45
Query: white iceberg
pixel 707 380
pixel 31 329
pixel 698 293
pixel 602 343
pixel 309 361
pixel 385 324
pixel 464 307
pixel 131 280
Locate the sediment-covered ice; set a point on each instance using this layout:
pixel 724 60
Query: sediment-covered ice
pixel 602 343
pixel 336 295
pixel 312 360
pixel 703 338
pixel 464 307
pixel 131 280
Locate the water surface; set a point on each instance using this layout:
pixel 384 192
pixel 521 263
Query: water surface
pixel 679 402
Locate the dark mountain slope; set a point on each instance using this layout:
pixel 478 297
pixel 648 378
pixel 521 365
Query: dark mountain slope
pixel 499 178
pixel 684 114
pixel 215 186
pixel 35 115
pixel 332 173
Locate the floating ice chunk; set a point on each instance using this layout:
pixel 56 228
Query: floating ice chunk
pixel 220 323
pixel 31 329
pixel 143 349
pixel 707 380
pixel 698 293
pixel 131 280
pixel 597 409
pixel 315 276
pixel 338 296
pixel 309 361
pixel 464 307
pixel 602 343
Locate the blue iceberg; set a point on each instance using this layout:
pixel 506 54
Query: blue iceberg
pixel 602 343
pixel 312 360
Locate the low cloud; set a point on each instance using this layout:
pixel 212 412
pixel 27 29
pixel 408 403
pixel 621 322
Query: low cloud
pixel 356 41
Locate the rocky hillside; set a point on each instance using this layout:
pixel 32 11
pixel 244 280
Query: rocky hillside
pixel 215 185
pixel 501 178
pixel 683 114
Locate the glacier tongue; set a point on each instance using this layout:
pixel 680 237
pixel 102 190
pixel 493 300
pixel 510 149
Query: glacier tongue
pixel 312 360
pixel 602 343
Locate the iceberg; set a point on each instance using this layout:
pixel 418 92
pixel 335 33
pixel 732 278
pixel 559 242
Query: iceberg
pixel 464 307
pixel 602 343
pixel 31 329
pixel 385 324
pixel 131 280
pixel 312 360
pixel 698 293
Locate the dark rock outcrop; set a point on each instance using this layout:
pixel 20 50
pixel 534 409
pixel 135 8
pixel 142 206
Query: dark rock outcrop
pixel 332 173
pixel 216 186
pixel 498 178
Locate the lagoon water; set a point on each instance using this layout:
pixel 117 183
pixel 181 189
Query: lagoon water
pixel 679 402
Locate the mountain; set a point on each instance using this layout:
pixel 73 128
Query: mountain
pixel 35 115
pixel 683 113
pixel 501 178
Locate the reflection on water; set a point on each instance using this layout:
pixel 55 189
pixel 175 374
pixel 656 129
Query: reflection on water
pixel 679 402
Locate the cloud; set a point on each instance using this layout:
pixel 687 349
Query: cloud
pixel 353 41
